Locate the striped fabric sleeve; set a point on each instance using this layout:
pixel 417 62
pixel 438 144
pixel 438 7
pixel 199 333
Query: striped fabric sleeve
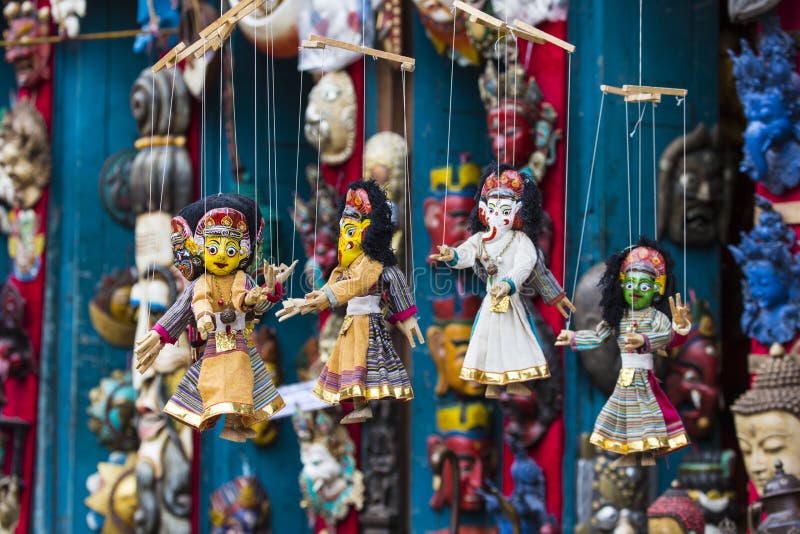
pixel 661 333
pixel 249 284
pixel 363 275
pixel 398 294
pixel 545 283
pixel 591 339
pixel 177 317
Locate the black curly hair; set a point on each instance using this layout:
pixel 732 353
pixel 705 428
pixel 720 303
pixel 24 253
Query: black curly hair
pixel 377 242
pixel 531 211
pixel 613 300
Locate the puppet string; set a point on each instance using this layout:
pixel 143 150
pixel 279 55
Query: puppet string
pixel 682 102
pixel 586 204
pixel 566 169
pixel 639 162
pixel 270 75
pixel 447 171
pixel 296 170
pixel 316 186
pixel 274 208
pixel 221 83
pixel 516 57
pixel 257 245
pixel 628 173
pixel 233 105
pixel 655 175
pixel 407 207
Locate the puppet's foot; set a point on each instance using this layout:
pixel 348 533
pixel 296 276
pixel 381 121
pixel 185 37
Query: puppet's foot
pixel 234 430
pixel 519 389
pixel 359 415
pixel 626 460
pixel 492 391
pixel 648 459
pixel 231 434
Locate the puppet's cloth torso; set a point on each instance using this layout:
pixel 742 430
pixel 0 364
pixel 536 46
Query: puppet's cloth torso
pixel 638 417
pixel 364 362
pixel 230 378
pixel 503 347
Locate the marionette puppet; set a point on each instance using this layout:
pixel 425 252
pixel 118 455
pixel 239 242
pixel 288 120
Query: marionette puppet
pixel 364 364
pixel 504 349
pixel 223 301
pixel 638 418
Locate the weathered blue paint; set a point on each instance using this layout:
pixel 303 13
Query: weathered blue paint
pixel 91 121
pixel 679 46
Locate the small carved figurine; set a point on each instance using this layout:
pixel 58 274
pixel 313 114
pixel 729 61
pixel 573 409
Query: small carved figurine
pixel 675 513
pixel 330 481
pixel 778 510
pixel 638 417
pixel 364 365
pixel 708 478
pixel 503 348
pixel 240 506
pixel 68 14
pixel 230 379
pixel 772 288
pixel 16 352
pixel 110 309
pixel 769 89
pixel 25 159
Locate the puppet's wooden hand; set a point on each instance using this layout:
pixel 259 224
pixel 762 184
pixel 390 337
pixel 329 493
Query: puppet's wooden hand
pixel 632 341
pixel 147 350
pixel 410 328
pixel 256 297
pixel 564 338
pixel 501 290
pixel 681 316
pixel 205 325
pixel 563 305
pixel 285 271
pixel 446 254
pixel 291 307
pixel 315 301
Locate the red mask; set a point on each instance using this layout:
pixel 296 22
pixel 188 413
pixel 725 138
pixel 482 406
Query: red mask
pixel 510 132
pixel 451 214
pixel 692 384
pixel 475 460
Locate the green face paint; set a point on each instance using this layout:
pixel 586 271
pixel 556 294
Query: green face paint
pixel 639 289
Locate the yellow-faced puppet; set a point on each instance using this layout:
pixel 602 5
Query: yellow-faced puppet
pixel 353 225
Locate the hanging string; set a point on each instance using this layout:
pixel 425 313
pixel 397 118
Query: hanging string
pixel 682 102
pixel 639 188
pixel 655 173
pixel 274 207
pixel 566 170
pixel 233 105
pixel 499 89
pixel 586 205
pixel 628 172
pixel 364 17
pixel 221 83
pixel 407 208
pixel 448 171
pixel 316 186
pixel 516 56
pixel 255 147
pixel 270 75
pixel 640 42
pixel 152 161
pixel 297 169
pixel 169 128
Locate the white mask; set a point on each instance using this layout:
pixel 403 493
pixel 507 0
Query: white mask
pixel 499 213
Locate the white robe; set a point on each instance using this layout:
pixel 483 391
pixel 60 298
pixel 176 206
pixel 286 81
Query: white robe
pixel 503 347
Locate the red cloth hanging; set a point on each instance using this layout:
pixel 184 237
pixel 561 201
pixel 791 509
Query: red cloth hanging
pixel 548 64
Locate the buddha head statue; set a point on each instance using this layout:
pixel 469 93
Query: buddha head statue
pixel 767 419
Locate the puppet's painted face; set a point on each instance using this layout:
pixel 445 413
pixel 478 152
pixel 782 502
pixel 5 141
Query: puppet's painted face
pixel 766 285
pixel 764 438
pixel 639 289
pixel 499 214
pixel 511 136
pixel 351 234
pixel 223 254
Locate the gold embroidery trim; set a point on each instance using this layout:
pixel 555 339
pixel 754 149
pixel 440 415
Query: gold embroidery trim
pixel 625 377
pixel 225 342
pixel 199 421
pixel 523 375
pixel 348 321
pixel 663 445
pixel 371 393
